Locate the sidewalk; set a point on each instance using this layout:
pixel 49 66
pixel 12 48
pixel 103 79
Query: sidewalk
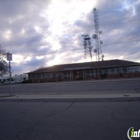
pixel 72 98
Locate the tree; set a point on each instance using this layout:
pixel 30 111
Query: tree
pixel 3 63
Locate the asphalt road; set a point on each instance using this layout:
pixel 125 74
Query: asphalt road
pixel 74 87
pixel 68 120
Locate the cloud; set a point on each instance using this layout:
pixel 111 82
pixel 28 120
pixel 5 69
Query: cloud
pixel 43 33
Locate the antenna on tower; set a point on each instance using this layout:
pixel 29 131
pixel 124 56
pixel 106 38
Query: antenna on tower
pixel 96 36
pixel 87 46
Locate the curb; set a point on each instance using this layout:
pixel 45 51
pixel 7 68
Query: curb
pixel 84 81
pixel 74 100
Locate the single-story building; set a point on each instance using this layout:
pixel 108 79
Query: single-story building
pixel 86 71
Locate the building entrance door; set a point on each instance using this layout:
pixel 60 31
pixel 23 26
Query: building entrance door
pixel 78 75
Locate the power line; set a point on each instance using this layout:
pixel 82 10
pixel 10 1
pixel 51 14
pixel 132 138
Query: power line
pixel 22 41
pixel 104 24
pixel 137 15
pixel 118 20
pixel 26 65
pixel 111 24
pixel 82 48
pixel 122 42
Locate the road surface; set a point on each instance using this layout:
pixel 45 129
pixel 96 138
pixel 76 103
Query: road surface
pixel 76 87
pixel 68 120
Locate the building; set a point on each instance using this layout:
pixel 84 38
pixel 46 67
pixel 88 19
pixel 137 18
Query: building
pixel 86 71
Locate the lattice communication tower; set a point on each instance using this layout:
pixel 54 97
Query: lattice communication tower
pixel 96 36
pixel 87 46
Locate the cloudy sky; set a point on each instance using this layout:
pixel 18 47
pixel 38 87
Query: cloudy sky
pixel 41 33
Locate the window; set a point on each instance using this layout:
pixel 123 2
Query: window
pixel 112 70
pixel 44 75
pixel 124 70
pixel 133 69
pixel 99 71
pixel 48 75
pixel 130 69
pixel 104 71
pixel 40 76
pixel 136 69
pixel 32 76
pixel 37 76
pixel 54 75
pixel 90 73
pixel 67 74
pixel 118 70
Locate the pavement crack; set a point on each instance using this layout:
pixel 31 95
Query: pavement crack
pixel 69 106
pixel 137 90
pixel 17 137
pixel 127 107
pixel 105 106
pixel 41 120
pixel 112 115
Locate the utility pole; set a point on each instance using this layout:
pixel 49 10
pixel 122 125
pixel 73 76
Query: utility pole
pixel 9 58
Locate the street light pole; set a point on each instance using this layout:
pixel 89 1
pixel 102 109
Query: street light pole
pixel 10 78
